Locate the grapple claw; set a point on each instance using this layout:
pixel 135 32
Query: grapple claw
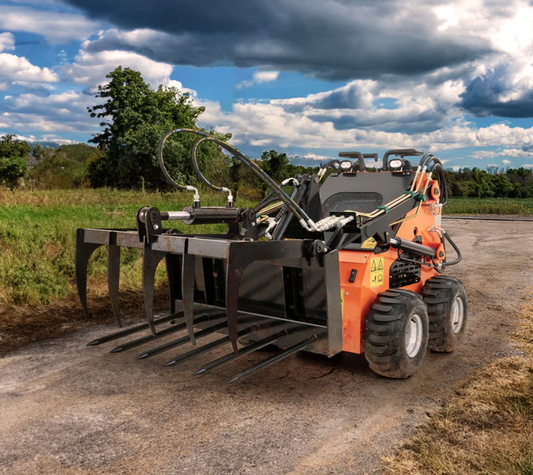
pixel 151 260
pixel 187 291
pixel 113 278
pixel 84 251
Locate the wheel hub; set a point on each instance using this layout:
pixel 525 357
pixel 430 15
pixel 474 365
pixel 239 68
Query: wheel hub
pixel 458 311
pixel 413 335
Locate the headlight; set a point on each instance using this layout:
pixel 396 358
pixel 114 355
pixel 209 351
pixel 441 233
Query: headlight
pixel 346 165
pixel 395 164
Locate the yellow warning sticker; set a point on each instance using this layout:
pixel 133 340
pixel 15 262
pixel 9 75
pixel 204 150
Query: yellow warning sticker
pixel 342 301
pixel 376 272
pixel 370 243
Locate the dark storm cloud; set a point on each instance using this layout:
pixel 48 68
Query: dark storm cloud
pixel 328 38
pixel 483 96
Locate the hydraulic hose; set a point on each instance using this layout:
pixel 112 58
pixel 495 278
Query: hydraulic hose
pixel 171 180
pixel 202 176
pixel 297 210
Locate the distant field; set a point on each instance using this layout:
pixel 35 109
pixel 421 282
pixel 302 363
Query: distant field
pixel 37 232
pixel 490 206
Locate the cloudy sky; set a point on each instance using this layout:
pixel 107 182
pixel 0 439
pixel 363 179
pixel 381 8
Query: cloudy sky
pixel 307 77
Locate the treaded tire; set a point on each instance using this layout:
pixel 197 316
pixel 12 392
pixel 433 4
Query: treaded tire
pixel 439 294
pixel 386 326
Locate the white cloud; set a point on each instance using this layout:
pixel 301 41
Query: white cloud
pixel 508 152
pixel 17 69
pixel 91 68
pixel 56 27
pixel 506 162
pixel 259 77
pixel 7 42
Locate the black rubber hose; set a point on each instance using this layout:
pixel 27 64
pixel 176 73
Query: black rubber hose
pixel 459 255
pixel 265 201
pixel 423 160
pixel 197 169
pixel 297 210
pixel 441 179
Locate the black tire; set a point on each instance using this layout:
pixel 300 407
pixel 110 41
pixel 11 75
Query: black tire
pixel 439 294
pixel 386 327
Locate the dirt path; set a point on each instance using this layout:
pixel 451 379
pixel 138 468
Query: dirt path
pixel 70 409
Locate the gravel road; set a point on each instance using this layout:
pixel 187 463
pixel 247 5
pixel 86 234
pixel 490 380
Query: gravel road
pixel 70 409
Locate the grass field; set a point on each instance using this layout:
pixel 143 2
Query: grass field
pixel 490 206
pixel 37 238
pixel 37 231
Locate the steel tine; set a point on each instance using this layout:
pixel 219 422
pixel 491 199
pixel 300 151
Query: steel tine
pixel 273 359
pixel 186 339
pixel 243 351
pixel 151 260
pixel 209 346
pixel 145 339
pixel 187 292
pixel 233 280
pixel 84 250
pixel 173 267
pixel 134 329
pixel 113 278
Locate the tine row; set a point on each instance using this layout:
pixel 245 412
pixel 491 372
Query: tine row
pixel 247 326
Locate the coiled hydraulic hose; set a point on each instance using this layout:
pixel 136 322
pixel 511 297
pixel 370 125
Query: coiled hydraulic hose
pixel 441 179
pixel 424 165
pixel 297 210
pixel 202 176
pixel 171 180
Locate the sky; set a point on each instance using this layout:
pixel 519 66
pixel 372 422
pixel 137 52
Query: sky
pixel 309 78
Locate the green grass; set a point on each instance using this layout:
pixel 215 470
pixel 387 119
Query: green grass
pixel 37 233
pixel 512 206
pixel 37 238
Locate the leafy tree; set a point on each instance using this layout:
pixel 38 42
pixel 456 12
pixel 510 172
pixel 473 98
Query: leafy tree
pixel 13 156
pixel 134 118
pixel 275 164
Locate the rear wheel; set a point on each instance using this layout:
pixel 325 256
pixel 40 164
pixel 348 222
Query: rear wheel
pixel 446 301
pixel 396 333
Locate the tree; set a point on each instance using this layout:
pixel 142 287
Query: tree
pixel 13 156
pixel 275 164
pixel 134 118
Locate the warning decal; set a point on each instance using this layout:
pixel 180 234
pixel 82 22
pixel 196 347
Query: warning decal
pixel 342 301
pixel 376 272
pixel 370 243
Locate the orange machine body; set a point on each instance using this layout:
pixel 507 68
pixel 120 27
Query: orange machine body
pixel 372 271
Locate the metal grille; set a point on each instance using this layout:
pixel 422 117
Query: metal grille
pixel 364 202
pixel 404 273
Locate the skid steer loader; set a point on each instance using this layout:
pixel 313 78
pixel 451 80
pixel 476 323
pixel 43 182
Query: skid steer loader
pixel 349 260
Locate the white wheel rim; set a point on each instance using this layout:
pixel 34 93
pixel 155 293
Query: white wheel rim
pixel 413 335
pixel 458 314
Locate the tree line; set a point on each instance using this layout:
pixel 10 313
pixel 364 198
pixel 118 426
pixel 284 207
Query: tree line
pixel 134 116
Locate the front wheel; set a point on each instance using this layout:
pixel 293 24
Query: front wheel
pixel 396 333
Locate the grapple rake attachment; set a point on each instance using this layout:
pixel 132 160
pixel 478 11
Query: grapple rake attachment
pixel 300 271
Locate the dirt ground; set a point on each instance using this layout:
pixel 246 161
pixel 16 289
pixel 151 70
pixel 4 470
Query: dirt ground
pixel 70 409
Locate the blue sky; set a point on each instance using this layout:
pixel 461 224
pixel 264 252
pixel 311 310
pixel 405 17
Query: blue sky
pixel 309 78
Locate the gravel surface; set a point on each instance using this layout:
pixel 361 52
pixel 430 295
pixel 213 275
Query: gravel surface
pixel 70 409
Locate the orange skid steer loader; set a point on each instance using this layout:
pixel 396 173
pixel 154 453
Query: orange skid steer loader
pixel 348 260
